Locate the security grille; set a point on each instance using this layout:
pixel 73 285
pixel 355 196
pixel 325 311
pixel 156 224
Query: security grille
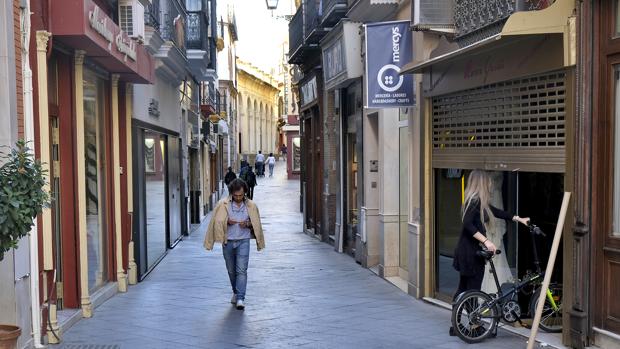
pixel 523 118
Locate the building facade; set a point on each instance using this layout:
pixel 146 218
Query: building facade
pixel 257 101
pixel 525 93
pixel 228 88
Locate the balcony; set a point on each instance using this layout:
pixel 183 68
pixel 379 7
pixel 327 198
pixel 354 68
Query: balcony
pixel 474 22
pixel 314 31
pixel 151 15
pixel 196 34
pixel 296 36
pixel 367 11
pixel 152 36
pixel 200 38
pixel 333 11
pixel 208 103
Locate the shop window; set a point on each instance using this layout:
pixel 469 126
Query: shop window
pixel 297 154
pixel 95 176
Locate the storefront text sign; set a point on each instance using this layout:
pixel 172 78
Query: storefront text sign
pixel 124 45
pixel 308 91
pixel 100 25
pixel 334 60
pixel 388 48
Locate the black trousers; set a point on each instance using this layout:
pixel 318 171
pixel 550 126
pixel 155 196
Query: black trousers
pixel 469 282
pixel 251 196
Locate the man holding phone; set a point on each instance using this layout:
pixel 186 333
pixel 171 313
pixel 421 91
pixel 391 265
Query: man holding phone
pixel 234 223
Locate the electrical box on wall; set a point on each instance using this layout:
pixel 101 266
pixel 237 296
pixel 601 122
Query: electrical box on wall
pixel 374 165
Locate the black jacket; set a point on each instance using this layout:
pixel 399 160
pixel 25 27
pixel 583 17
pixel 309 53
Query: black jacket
pixel 465 259
pixel 230 176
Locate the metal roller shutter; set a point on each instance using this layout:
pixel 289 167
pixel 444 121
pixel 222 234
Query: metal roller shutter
pixel 516 124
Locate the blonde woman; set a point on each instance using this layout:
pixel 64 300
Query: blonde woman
pixel 476 213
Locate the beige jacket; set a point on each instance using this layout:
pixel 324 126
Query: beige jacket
pixel 219 224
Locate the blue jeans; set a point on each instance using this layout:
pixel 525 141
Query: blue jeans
pixel 271 170
pixel 237 256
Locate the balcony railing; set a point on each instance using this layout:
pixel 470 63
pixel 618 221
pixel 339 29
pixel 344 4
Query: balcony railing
pixel 312 20
pixel 172 27
pixel 196 33
pixel 333 11
pixel 296 32
pixel 151 14
pixel 475 20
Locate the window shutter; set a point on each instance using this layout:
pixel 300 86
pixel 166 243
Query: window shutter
pixel 433 14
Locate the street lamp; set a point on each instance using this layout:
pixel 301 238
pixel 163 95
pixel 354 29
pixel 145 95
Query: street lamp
pixel 272 4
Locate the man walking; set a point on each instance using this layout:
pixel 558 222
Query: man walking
pixel 284 151
pixel 230 176
pixel 260 163
pixel 235 221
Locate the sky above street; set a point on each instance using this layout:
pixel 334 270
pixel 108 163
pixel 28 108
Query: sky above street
pixel 261 33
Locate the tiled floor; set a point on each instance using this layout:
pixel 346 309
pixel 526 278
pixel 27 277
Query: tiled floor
pixel 301 293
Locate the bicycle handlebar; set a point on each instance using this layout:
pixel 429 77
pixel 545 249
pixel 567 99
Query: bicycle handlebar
pixel 534 229
pixel 487 254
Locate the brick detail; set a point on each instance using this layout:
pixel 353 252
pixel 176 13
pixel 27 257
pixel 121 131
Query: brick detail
pixel 19 85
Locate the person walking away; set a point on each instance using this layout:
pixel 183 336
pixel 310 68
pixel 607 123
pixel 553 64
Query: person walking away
pixel 235 221
pixel 230 176
pixel 271 161
pixel 476 213
pixel 260 163
pixel 284 151
pixel 250 180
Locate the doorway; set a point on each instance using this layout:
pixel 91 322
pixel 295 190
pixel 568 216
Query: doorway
pixel 537 195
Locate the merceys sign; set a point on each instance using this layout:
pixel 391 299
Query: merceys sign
pixel 388 47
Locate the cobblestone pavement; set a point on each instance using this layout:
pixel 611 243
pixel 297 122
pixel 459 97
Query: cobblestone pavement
pixel 300 294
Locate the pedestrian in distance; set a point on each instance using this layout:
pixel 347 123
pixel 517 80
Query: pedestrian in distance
pixel 476 215
pixel 230 176
pixel 260 163
pixel 235 222
pixel 249 178
pixel 271 161
pixel 284 151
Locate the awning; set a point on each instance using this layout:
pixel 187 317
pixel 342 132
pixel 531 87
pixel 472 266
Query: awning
pixel 556 19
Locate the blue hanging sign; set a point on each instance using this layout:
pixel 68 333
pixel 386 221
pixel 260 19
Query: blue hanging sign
pixel 389 46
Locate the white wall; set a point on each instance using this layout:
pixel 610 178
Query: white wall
pixel 169 104
pixel 388 192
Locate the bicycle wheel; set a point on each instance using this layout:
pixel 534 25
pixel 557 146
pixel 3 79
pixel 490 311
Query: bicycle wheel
pixel 551 319
pixel 472 318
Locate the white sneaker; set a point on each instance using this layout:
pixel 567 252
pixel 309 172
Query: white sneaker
pixel 240 304
pixel 233 300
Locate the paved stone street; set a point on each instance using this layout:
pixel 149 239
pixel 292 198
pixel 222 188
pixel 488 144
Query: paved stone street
pixel 300 294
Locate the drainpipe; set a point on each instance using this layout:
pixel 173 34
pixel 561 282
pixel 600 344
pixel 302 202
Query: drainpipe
pixel 35 306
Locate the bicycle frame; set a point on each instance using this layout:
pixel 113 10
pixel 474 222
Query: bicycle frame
pixel 515 289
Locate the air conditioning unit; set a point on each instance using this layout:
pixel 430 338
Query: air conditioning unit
pixel 131 18
pixel 434 15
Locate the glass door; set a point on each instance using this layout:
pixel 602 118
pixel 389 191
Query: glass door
pixel 94 143
pixel 155 178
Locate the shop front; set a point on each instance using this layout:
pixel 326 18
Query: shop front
pixel 311 120
pixel 504 105
pixel 84 70
pixel 342 73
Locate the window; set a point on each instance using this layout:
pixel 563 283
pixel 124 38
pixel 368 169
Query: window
pixel 616 153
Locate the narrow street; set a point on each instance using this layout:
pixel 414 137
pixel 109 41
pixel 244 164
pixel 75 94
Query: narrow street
pixel 300 294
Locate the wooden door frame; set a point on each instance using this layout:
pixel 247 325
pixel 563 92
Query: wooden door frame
pixel 606 248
